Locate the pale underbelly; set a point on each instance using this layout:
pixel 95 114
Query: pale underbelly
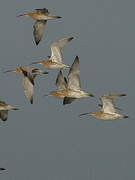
pixel 55 66
pixel 76 94
pixel 110 116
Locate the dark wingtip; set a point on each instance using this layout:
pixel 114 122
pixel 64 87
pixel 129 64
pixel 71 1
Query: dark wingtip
pixel 68 100
pixel 16 109
pixel 4 119
pixel 58 17
pixel 64 103
pixel 91 95
pixel 123 94
pixel 77 58
pixel 126 117
pixel 65 79
pixel 100 105
pixel 37 42
pixel 45 72
pixel 2 169
pixel 71 38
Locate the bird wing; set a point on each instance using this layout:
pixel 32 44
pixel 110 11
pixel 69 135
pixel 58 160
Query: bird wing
pixel 2 103
pixel 44 10
pixel 108 102
pixel 36 72
pixel 38 31
pixel 28 88
pixel 61 82
pixel 74 75
pixel 27 71
pixel 56 49
pixel 68 100
pixel 4 115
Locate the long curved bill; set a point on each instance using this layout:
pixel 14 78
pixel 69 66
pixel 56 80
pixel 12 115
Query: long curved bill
pixel 9 71
pixel 84 114
pixel 20 15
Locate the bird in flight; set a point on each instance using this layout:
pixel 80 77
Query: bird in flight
pixel 4 108
pixel 70 88
pixel 41 16
pixel 108 109
pixel 29 75
pixel 55 61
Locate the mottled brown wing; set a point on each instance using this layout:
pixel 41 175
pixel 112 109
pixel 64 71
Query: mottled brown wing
pixel 4 115
pixel 61 81
pixel 2 103
pixel 68 100
pixel 28 88
pixel 36 72
pixel 74 75
pixel 27 71
pixel 43 10
pixel 38 31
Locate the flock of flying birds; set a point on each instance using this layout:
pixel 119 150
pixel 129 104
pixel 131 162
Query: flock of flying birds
pixel 68 88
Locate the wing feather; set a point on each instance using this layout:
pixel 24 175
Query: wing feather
pixel 68 100
pixel 61 82
pixel 28 88
pixel 38 31
pixel 4 115
pixel 108 102
pixel 56 49
pixel 74 75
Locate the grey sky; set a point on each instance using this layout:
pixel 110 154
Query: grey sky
pixel 47 140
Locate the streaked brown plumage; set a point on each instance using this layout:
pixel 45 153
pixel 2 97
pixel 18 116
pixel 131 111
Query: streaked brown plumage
pixel 70 89
pixel 108 110
pixel 56 59
pixel 29 75
pixel 41 16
